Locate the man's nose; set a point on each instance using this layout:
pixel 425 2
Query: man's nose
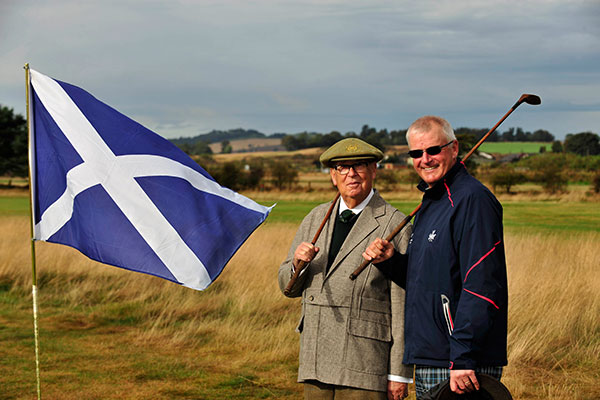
pixel 352 171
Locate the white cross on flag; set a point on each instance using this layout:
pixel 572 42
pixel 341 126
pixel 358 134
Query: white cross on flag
pixel 123 195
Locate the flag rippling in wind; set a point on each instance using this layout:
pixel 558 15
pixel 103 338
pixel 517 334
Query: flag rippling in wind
pixel 125 196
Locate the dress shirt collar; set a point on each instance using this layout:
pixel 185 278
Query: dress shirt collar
pixel 359 207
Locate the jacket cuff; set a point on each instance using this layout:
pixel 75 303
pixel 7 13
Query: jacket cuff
pixel 463 364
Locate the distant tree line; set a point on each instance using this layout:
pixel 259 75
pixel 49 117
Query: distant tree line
pixel 216 136
pixel 13 146
pixel 378 138
pixel 383 137
pixel 253 174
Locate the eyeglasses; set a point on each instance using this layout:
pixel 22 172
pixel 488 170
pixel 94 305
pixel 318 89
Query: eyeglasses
pixel 432 151
pixel 358 167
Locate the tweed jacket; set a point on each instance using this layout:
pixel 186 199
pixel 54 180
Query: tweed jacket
pixel 351 332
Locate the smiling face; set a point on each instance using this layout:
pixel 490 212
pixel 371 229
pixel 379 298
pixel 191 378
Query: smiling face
pixel 433 168
pixel 354 187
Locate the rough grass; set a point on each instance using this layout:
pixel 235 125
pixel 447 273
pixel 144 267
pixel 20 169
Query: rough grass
pixel 108 333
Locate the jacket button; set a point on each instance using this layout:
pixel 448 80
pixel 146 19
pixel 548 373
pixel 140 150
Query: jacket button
pixel 311 298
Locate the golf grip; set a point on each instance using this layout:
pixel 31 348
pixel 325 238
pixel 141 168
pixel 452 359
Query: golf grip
pixel 302 264
pixel 407 219
pixel 392 234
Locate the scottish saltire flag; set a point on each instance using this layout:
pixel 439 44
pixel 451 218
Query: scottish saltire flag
pixel 125 196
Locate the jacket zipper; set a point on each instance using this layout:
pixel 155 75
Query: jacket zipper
pixel 447 315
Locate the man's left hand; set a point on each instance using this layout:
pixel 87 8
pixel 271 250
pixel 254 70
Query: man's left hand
pixel 463 381
pixel 397 390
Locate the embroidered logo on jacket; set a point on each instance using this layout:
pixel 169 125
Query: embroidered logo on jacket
pixel 431 236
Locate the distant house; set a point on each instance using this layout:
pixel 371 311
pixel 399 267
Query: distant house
pixel 513 157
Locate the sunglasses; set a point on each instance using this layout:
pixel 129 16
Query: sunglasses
pixel 432 151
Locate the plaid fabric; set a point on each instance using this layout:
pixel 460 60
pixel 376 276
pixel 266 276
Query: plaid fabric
pixel 428 377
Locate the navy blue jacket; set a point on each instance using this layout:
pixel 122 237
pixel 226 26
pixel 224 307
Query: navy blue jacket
pixel 456 286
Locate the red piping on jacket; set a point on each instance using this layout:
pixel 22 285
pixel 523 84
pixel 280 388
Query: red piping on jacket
pixel 449 194
pixel 481 259
pixel 482 297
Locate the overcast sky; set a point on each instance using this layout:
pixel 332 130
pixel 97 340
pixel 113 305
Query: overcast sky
pixel 184 67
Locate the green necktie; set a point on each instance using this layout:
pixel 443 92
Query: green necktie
pixel 346 216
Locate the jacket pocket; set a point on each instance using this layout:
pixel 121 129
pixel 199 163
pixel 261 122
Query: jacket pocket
pixel 368 346
pixel 447 314
pixel 381 331
pixel 369 336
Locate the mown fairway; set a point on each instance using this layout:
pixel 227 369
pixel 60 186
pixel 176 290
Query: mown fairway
pixel 532 216
pixel 514 147
pixel 107 333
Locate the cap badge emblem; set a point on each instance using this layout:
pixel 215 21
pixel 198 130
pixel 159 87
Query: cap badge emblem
pixel 352 148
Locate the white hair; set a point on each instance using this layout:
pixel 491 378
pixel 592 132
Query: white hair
pixel 425 124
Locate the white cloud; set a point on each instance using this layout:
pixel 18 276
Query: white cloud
pixel 310 65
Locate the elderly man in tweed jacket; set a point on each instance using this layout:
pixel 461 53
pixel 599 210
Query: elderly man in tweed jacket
pixel 351 332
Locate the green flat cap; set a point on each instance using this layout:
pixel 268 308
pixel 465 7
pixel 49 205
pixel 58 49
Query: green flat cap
pixel 350 149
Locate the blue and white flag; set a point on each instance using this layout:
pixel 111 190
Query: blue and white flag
pixel 125 196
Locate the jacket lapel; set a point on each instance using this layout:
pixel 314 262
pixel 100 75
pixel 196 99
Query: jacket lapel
pixel 365 224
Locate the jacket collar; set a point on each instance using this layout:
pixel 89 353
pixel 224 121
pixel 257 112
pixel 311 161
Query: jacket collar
pixel 457 169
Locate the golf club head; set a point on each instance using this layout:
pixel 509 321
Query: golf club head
pixel 532 99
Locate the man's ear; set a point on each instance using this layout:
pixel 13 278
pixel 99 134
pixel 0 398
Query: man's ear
pixel 333 176
pixel 455 148
pixel 372 169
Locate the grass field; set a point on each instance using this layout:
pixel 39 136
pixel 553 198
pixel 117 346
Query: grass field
pixel 527 216
pixel 514 147
pixel 108 333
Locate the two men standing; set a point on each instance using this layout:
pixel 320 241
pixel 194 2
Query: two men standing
pixel 453 269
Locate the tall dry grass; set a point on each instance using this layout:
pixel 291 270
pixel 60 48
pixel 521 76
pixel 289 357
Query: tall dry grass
pixel 554 316
pixel 243 320
pixel 240 322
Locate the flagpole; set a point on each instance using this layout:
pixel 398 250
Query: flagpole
pixel 30 146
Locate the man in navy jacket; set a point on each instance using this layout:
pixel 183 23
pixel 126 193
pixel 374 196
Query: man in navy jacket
pixel 455 269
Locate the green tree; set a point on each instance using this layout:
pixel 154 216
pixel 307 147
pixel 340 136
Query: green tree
pixel 584 144
pixel 557 146
pixel 201 147
pixel 508 135
pixel 506 176
pixel 228 174
pixel 290 142
pixel 549 171
pixel 466 142
pixel 226 146
pixel 331 138
pixel 398 137
pixel 284 174
pixel 542 135
pixel 187 148
pixel 254 172
pixel 13 143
